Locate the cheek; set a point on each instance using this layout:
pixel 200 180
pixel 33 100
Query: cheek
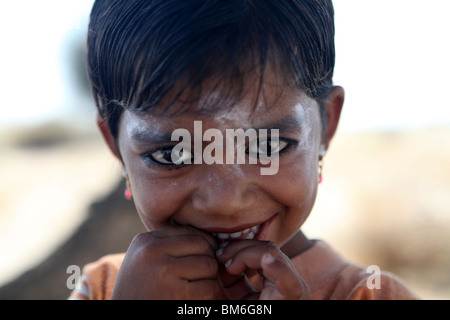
pixel 298 183
pixel 155 198
pixel 298 176
pixel 298 194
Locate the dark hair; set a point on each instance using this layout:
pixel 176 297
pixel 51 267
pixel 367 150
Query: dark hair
pixel 140 50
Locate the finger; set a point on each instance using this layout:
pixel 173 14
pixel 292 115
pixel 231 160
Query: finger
pixel 148 245
pixel 192 268
pixel 226 279
pixel 230 251
pixel 186 245
pixel 282 280
pixel 205 289
pixel 236 287
pixel 249 257
pixel 179 230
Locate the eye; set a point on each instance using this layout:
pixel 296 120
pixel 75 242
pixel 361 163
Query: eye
pixel 267 146
pixel 168 156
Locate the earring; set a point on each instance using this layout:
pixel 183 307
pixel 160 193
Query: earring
pixel 322 153
pixel 128 195
pixel 320 169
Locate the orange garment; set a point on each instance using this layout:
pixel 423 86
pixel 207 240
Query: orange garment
pixel 327 274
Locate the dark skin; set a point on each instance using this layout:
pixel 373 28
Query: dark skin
pixel 179 258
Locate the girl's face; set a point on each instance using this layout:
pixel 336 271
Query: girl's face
pixel 227 198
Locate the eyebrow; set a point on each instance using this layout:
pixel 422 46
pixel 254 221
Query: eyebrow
pixel 148 136
pixel 288 123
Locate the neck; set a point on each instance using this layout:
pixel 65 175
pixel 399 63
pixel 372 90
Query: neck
pixel 296 245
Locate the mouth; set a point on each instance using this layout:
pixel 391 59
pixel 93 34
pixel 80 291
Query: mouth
pixel 248 233
pixel 257 232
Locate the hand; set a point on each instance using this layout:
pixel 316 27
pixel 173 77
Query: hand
pixel 174 262
pixel 243 258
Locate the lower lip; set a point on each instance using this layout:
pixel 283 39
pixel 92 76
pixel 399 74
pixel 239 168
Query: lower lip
pixel 262 233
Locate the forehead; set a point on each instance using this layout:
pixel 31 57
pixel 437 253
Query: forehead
pixel 288 112
pixel 254 104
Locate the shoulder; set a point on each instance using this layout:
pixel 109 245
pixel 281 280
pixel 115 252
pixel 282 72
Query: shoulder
pixel 108 263
pixel 381 285
pixel 98 278
pixel 330 277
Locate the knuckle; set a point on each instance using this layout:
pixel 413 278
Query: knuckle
pixel 270 245
pixel 165 270
pixel 272 248
pixel 146 246
pixel 140 243
pixel 200 242
pixel 211 265
pixel 139 238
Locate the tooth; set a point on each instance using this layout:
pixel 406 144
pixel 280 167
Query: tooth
pixel 250 235
pixel 236 234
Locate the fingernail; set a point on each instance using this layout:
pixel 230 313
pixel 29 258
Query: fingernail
pixel 219 252
pixel 268 259
pixel 228 263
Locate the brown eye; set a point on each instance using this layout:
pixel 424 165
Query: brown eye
pixel 266 146
pixel 168 156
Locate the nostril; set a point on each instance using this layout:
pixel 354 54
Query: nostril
pixel 223 199
pixel 224 189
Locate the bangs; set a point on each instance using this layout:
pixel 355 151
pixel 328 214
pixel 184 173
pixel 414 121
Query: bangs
pixel 205 53
pixel 151 54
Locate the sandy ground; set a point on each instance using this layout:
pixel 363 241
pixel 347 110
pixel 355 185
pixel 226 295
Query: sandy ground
pixel 44 197
pixel 385 200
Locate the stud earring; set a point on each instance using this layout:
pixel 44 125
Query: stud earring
pixel 320 170
pixel 128 195
pixel 322 153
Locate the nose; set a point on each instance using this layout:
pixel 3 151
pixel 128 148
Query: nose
pixel 224 190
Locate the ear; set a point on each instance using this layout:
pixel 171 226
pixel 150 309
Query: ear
pixel 107 136
pixel 334 108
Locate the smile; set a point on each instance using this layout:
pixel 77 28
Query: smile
pixel 248 233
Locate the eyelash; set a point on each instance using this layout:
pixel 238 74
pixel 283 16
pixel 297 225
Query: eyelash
pixel 150 161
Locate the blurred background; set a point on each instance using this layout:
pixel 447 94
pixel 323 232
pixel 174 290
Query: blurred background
pixel 385 198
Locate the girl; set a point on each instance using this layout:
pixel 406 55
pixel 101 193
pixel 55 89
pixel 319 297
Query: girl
pixel 220 229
